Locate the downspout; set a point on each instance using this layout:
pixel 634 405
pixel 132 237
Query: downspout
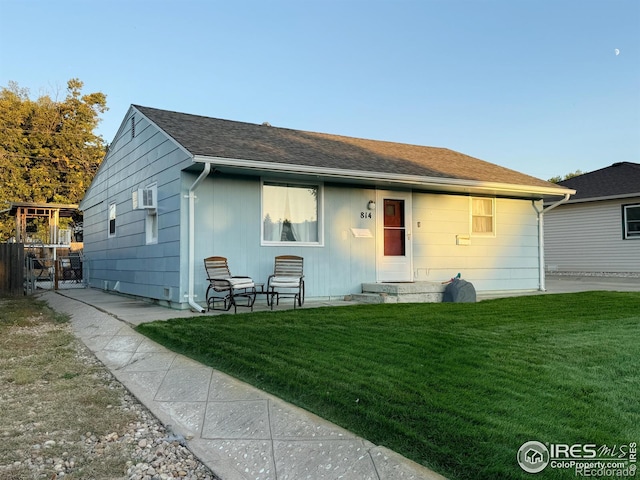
pixel 192 238
pixel 542 286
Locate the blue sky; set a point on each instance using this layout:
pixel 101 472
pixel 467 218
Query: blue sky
pixel 533 85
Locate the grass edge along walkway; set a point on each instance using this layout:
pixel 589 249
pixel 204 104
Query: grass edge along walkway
pixel 455 387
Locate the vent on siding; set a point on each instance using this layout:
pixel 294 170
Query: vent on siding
pixel 133 126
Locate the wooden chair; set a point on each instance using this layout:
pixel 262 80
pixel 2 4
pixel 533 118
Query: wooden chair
pixel 287 280
pixel 225 288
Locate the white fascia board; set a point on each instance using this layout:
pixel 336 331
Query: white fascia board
pixel 600 199
pixel 454 184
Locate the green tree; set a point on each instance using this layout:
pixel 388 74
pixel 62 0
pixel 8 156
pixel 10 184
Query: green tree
pixel 48 149
pixel 559 178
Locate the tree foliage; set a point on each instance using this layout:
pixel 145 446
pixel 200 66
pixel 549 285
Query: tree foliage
pixel 48 149
pixel 558 179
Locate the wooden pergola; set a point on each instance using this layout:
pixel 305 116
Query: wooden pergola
pixel 26 212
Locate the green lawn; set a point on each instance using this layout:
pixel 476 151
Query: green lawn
pixel 455 387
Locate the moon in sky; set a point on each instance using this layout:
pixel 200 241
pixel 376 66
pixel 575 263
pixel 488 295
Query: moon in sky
pixel 617 50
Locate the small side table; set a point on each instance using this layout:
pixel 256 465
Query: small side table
pixel 261 291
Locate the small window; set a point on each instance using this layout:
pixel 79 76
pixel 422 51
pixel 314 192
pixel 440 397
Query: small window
pixel 112 220
pixel 291 213
pixel 483 216
pixel 394 228
pixel 631 221
pixel 151 227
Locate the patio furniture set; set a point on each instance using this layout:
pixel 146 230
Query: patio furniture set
pixel 226 290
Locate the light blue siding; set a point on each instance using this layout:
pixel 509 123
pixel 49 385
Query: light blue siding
pixel 506 261
pixel 125 262
pixel 228 222
pixel 228 217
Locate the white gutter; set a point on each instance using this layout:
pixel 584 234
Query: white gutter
pixel 542 286
pixel 454 184
pixel 192 238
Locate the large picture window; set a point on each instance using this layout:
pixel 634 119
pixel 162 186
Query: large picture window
pixel 631 221
pixel 291 213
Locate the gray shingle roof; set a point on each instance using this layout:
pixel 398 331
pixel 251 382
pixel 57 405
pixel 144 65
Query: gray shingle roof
pixel 619 179
pixel 211 137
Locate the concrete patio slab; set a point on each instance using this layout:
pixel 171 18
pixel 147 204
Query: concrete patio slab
pixel 240 419
pixel 324 460
pixel 226 388
pixel 185 385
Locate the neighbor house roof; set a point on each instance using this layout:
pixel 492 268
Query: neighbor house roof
pixel 619 180
pixel 242 145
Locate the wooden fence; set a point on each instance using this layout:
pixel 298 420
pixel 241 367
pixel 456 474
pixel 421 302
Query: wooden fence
pixel 12 268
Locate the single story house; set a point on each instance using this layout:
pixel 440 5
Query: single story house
pixel 175 188
pixel 598 229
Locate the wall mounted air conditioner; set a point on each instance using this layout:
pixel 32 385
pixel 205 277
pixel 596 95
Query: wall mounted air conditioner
pixel 145 198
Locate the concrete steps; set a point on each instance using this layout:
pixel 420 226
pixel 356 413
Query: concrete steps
pixel 414 292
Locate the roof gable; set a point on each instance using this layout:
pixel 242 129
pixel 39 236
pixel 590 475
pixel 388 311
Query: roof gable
pixel 216 138
pixel 618 180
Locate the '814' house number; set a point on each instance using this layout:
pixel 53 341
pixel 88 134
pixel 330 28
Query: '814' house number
pixel 366 215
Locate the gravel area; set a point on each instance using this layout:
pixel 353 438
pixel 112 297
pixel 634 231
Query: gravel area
pixel 147 449
pixel 155 453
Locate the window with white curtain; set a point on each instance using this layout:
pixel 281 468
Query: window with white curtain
pixel 482 216
pixel 291 213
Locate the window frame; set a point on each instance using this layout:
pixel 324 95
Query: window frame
pixel 151 227
pixel 625 222
pixel 492 233
pixel 151 216
pixel 111 217
pixel 319 206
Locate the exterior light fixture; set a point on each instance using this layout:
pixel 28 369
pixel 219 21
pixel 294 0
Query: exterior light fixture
pixel 371 205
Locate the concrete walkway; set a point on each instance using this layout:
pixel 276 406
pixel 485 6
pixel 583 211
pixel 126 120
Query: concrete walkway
pixel 575 284
pixel 238 431
pixel 583 283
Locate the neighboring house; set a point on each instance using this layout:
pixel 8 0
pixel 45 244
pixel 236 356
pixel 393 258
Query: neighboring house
pixel 176 188
pixel 598 230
